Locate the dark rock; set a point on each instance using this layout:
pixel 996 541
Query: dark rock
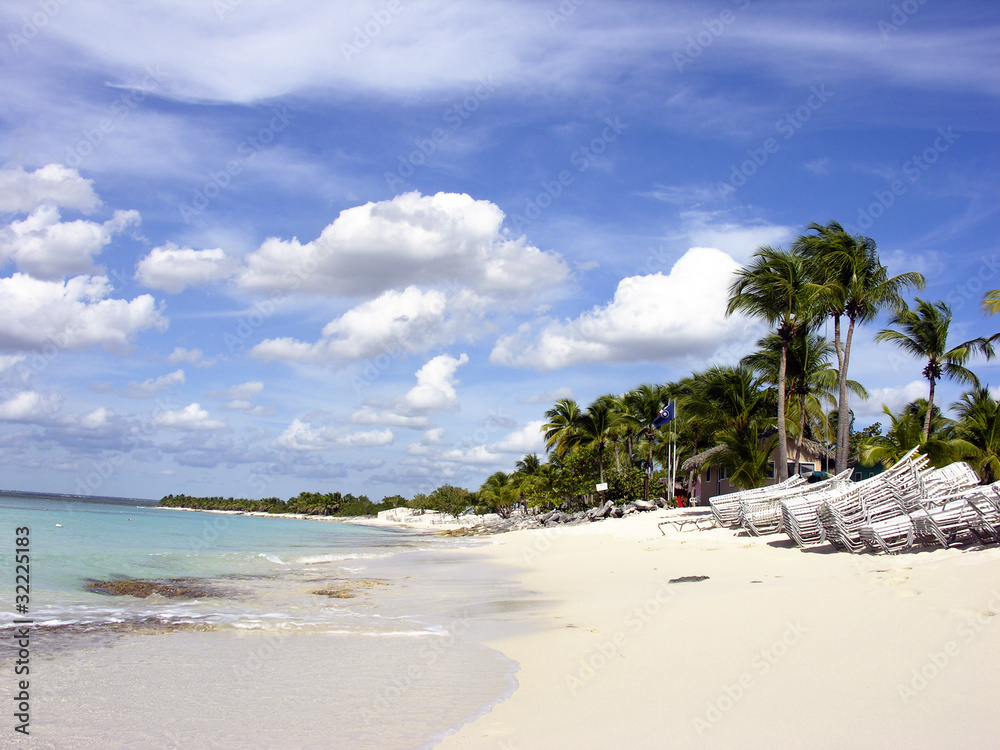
pixel 688 579
pixel 174 588
pixel 644 505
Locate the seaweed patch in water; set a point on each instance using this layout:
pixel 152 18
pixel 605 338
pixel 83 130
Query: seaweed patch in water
pixel 174 588
pixel 345 592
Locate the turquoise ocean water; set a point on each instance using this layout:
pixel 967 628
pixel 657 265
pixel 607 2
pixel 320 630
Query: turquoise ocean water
pixel 372 604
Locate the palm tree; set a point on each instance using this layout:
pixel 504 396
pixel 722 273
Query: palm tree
pixel 811 382
pixel 924 333
pixel 731 403
pixel 852 282
pixel 694 428
pixel 501 493
pixel 644 404
pixel 906 432
pixel 561 429
pixel 978 429
pixel 529 465
pixel 747 460
pixel 595 428
pixel 775 287
pixel 991 302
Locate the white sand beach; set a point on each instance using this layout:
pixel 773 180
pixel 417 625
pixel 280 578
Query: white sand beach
pixel 776 647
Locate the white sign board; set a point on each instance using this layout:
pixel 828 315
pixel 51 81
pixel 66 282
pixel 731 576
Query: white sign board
pixel 602 486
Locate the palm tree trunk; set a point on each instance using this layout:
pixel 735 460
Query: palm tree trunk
pixel 843 407
pixel 781 470
pixel 649 465
pixel 802 431
pixel 930 412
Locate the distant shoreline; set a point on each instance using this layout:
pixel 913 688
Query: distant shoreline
pixel 34 495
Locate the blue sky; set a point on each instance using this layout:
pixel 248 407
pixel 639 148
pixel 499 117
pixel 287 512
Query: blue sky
pixel 255 248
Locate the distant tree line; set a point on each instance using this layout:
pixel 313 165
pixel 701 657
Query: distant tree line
pixel 305 503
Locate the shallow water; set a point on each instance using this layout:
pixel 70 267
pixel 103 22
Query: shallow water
pixel 323 635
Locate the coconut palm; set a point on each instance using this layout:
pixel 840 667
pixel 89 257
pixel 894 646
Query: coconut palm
pixel 732 404
pixel 978 429
pixel 747 458
pixel 644 404
pixel 851 281
pixel 924 333
pixel 529 465
pixel 775 287
pixel 624 430
pixel 906 432
pixel 811 382
pixel 595 428
pixel 991 302
pixel 501 493
pixel 561 433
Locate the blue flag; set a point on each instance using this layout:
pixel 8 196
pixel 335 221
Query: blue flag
pixel 666 415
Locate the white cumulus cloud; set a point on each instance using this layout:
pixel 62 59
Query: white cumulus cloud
pixel 302 436
pixel 47 248
pixel 29 406
pixel 408 320
pixel 895 397
pixel 651 318
pixel 53 184
pixel 153 386
pixel 71 314
pixel 192 418
pixel 528 439
pixel 410 240
pixel 194 357
pixel 172 268
pixel 435 388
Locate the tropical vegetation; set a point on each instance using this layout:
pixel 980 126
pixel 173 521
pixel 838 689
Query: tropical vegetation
pixel 752 419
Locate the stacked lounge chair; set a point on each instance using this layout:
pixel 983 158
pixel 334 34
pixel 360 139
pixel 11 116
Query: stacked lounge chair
pixel 801 514
pixel 766 515
pixel 972 515
pixel 726 508
pixel 908 503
